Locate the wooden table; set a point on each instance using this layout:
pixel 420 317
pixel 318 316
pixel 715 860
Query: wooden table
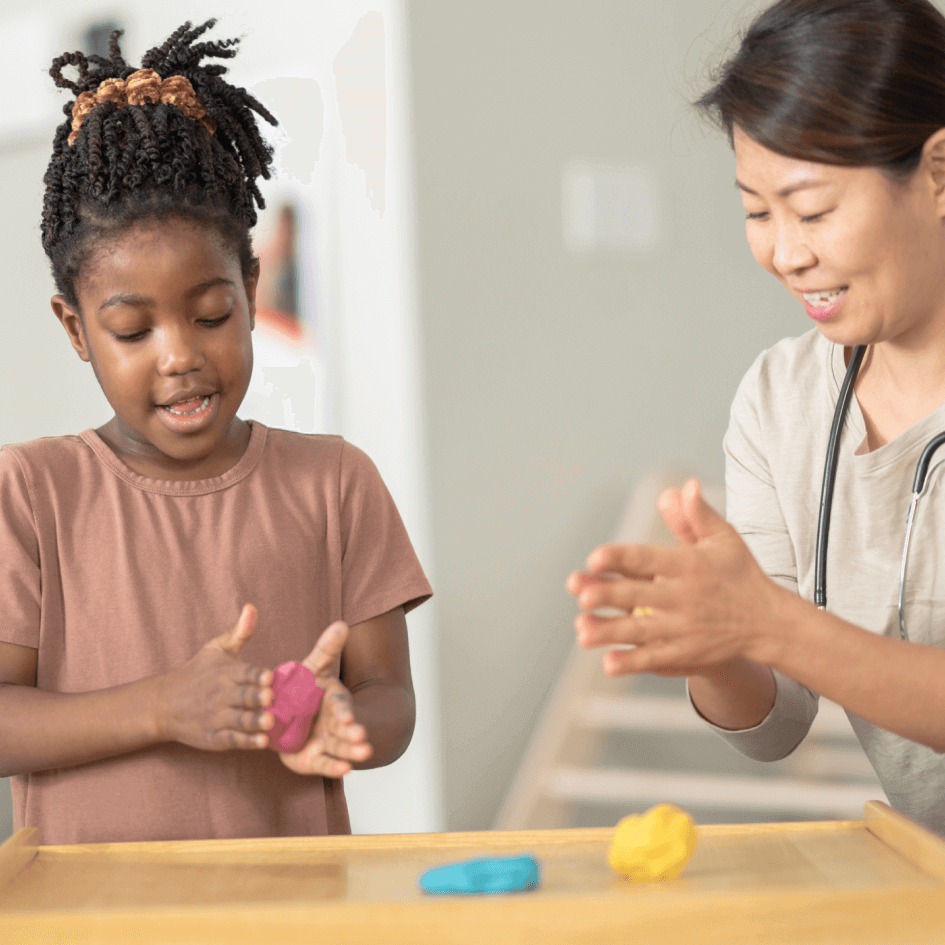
pixel 881 879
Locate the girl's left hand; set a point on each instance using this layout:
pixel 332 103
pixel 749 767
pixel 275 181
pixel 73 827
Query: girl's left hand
pixel 335 739
pixel 698 605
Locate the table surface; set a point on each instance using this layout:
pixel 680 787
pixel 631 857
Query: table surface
pixel 881 879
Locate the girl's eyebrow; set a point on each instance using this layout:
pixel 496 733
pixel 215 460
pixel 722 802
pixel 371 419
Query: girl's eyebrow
pixel 142 301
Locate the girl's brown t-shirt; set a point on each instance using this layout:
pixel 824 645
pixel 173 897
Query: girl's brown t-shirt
pixel 113 577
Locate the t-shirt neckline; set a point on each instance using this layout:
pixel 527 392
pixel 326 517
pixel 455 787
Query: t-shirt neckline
pixel 909 442
pixel 239 471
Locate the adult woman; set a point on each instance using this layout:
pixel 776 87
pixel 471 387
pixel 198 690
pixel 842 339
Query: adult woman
pixel 836 113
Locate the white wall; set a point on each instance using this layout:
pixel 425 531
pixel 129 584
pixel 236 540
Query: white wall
pixel 361 284
pixel 556 381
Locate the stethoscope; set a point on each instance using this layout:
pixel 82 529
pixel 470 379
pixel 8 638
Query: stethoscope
pixel 826 495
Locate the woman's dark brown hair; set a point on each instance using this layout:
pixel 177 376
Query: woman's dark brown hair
pixel 843 82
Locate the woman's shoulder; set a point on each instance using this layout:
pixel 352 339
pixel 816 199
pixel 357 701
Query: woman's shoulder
pixel 804 357
pixel 788 372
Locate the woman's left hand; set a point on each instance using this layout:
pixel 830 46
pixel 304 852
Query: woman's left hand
pixel 685 609
pixel 336 739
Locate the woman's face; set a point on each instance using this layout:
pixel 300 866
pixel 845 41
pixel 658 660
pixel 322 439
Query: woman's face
pixel 863 254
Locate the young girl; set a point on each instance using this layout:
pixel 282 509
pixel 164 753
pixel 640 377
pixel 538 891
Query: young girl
pixel 154 571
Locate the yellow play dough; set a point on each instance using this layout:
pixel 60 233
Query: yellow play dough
pixel 654 845
pixel 642 611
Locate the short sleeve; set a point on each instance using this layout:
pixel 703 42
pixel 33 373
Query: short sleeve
pixel 20 586
pixel 754 510
pixel 380 569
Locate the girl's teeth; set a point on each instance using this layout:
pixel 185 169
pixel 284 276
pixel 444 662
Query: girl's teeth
pixel 186 413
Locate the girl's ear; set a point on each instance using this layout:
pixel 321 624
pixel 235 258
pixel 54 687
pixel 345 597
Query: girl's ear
pixel 72 322
pixel 251 282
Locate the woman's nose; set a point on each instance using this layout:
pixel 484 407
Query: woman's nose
pixel 791 253
pixel 181 352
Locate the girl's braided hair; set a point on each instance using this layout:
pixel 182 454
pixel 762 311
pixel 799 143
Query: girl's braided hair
pixel 134 163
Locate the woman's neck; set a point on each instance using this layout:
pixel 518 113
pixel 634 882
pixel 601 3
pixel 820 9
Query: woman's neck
pixel 897 387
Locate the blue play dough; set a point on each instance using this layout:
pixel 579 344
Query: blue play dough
pixel 496 875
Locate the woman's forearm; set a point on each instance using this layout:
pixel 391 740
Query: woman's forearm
pixel 388 714
pixel 735 695
pixel 40 730
pixel 897 686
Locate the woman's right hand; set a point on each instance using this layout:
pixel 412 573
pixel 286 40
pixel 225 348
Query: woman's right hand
pixel 215 701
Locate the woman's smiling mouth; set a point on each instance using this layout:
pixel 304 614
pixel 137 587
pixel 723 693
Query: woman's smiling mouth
pixel 821 304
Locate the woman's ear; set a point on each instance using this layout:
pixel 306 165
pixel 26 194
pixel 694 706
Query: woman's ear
pixel 933 152
pixel 71 320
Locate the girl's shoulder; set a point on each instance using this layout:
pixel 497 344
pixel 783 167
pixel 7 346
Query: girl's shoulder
pixel 328 451
pixel 52 455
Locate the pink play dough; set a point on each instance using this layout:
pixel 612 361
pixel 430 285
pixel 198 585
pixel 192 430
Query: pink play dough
pixel 298 697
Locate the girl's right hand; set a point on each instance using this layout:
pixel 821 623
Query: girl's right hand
pixel 215 701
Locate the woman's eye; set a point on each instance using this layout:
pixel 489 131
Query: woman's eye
pixel 813 217
pixel 756 216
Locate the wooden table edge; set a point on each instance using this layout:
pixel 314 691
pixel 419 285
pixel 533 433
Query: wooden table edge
pixel 911 840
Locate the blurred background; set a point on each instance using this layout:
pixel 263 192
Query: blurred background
pixel 508 262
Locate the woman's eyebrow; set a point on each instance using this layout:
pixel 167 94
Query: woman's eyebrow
pixel 786 191
pixel 142 301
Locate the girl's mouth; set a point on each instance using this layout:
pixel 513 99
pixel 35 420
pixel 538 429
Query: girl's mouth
pixel 188 408
pixel 822 305
pixel 191 415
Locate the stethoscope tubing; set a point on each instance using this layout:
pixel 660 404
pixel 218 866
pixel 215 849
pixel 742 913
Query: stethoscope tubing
pixel 826 495
pixel 830 475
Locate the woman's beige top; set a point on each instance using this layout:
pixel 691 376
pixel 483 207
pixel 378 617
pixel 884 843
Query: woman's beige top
pixel 775 451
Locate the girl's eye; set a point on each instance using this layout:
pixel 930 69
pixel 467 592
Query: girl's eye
pixel 137 336
pixel 213 322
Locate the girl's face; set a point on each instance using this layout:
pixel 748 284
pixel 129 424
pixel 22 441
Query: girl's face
pixel 166 321
pixel 863 254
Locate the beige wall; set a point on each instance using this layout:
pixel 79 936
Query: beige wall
pixel 554 382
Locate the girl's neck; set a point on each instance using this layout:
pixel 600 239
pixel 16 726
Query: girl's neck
pixel 141 457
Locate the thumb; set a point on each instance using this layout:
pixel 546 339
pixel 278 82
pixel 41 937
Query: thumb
pixel 327 649
pixel 234 640
pixel 701 517
pixel 672 511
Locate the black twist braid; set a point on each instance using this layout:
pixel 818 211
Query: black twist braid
pixel 135 163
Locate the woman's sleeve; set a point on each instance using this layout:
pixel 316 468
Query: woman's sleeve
pixel 754 510
pixel 20 587
pixel 380 570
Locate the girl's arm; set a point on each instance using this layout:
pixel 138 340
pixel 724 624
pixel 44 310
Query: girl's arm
pixel 367 717
pixel 375 668
pixel 212 702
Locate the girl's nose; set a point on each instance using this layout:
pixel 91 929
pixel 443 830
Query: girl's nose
pixel 181 352
pixel 791 253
